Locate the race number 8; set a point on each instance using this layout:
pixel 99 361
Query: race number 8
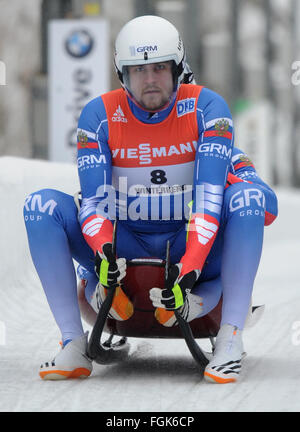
pixel 158 177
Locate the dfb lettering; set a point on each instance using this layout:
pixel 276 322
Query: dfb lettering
pixel 185 106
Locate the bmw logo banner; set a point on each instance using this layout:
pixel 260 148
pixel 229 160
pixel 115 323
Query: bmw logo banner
pixel 79 70
pixel 79 43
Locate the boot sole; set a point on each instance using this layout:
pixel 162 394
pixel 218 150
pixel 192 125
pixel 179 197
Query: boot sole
pixel 217 379
pixel 56 375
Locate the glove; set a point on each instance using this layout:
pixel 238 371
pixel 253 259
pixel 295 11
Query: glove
pixel 109 269
pixel 177 288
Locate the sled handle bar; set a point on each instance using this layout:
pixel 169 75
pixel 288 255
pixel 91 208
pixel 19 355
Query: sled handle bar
pixel 184 326
pixel 192 345
pixel 96 350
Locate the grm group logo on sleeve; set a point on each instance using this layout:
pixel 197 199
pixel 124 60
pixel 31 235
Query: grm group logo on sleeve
pixel 79 43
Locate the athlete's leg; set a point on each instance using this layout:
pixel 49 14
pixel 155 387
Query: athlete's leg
pixel 134 244
pixel 242 226
pixel 210 293
pixel 129 244
pixel 243 222
pixel 206 293
pixel 55 237
pixel 232 264
pixel 91 280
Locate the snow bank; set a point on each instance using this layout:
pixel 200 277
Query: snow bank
pixel 18 178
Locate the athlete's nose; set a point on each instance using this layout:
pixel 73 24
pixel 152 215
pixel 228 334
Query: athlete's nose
pixel 150 76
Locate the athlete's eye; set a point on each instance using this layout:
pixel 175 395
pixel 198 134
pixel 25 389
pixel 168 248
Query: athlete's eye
pixel 139 69
pixel 160 66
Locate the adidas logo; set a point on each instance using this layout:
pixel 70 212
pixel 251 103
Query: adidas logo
pixel 231 367
pixel 119 116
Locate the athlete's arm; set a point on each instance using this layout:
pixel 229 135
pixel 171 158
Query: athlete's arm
pixel 212 163
pixel 95 174
pixel 243 169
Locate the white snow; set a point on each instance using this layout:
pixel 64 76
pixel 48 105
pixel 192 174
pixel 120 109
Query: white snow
pixel 160 375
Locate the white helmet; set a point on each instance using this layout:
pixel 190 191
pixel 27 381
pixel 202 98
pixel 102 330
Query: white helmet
pixel 149 39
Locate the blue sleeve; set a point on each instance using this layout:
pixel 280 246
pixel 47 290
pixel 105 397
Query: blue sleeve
pixel 243 168
pixel 214 151
pixel 93 155
pixel 212 163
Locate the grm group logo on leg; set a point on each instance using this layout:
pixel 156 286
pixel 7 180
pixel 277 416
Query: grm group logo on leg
pixel 2 73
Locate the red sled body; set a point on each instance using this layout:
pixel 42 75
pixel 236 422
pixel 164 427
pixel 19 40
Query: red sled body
pixel 141 276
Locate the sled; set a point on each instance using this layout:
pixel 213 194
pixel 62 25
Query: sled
pixel 142 274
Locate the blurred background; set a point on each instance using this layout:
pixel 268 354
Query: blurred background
pixel 53 60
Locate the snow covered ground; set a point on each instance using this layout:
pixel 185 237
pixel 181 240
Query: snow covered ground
pixel 160 375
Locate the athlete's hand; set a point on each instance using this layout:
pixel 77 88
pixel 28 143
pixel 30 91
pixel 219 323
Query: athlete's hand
pixel 109 269
pixel 177 288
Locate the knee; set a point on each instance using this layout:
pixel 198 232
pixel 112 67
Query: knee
pixel 271 206
pixel 42 202
pixel 244 199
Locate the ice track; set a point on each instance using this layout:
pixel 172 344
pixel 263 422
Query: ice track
pixel 159 375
